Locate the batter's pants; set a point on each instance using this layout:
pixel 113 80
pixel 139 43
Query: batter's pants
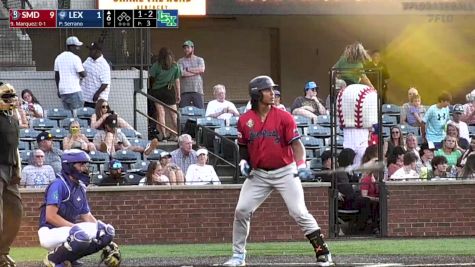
pixel 11 211
pixel 254 192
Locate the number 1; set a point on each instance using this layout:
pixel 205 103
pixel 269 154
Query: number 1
pixel 98 14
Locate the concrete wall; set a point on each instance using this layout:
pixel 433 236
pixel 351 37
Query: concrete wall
pixel 158 214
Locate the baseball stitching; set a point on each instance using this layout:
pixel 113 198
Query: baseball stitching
pixel 340 107
pixel 359 107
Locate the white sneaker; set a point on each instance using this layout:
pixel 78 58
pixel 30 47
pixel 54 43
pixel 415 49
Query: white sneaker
pixel 236 260
pixel 325 260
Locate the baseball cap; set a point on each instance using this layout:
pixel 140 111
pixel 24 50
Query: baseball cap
pixel 458 108
pixel 73 40
pixel 188 43
pixel 44 136
pixel 202 151
pixel 277 92
pixel 95 45
pixel 311 85
pixel 111 121
pixel 115 165
pixel 165 154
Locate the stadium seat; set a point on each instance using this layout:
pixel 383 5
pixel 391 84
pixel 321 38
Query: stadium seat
pixel 312 143
pixel 390 109
pixel 129 133
pixel 210 122
pixel 85 113
pixel 41 124
pixel 318 131
pixel 233 120
pixel 192 111
pixel 301 121
pixel 140 166
pixel 25 156
pixel 155 155
pixel 66 122
pixel 471 131
pixel 58 114
pixel 89 133
pixel 138 142
pixel 126 156
pixel 229 132
pixel 99 159
pixel 315 164
pixel 22 145
pixel 386 132
pixel 405 129
pixel 59 133
pixel 132 179
pixel 323 120
pixel 388 120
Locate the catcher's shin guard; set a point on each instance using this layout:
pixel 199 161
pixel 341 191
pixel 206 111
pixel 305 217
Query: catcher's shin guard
pixel 71 250
pixel 111 255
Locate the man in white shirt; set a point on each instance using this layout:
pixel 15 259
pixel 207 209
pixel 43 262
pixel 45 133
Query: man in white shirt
pixel 463 127
pixel 96 85
pixel 221 108
pixel 69 71
pixel 37 175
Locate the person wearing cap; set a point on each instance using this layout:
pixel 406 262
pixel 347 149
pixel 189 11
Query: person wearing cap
pixel 309 105
pixel 115 174
pixel 37 175
pixel 52 154
pixel 10 172
pixel 184 156
pixel 192 68
pixel 96 85
pixel 69 71
pixel 170 170
pixel 351 65
pixel 110 140
pixel 456 120
pixel 201 173
pixel 164 85
pixel 220 107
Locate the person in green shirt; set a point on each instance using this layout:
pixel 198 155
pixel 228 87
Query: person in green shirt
pixel 351 65
pixel 164 84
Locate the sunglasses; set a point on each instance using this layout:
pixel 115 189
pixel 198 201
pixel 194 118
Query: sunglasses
pixel 106 106
pixel 396 132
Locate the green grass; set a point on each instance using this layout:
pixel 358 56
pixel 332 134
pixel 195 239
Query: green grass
pixel 417 247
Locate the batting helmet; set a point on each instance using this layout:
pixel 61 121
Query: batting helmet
pixel 260 83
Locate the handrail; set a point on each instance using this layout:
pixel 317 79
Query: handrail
pixel 201 139
pixel 178 130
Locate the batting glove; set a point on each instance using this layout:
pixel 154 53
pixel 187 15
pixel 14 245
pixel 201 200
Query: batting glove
pixel 304 173
pixel 245 167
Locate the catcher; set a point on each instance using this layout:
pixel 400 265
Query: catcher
pixel 11 208
pixel 68 230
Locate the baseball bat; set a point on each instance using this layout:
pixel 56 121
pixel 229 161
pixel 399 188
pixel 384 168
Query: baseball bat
pixel 370 166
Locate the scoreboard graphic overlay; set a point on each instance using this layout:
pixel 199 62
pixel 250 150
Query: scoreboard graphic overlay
pixel 93 18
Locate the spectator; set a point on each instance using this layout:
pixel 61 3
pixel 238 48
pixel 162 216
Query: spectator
pixel 468 152
pixel 439 167
pixel 110 140
pixel 170 170
pixel 411 144
pixel 411 93
pixel 277 101
pixel 103 110
pixel 68 72
pixel 31 106
pixel 396 160
pixel 184 156
pixel 415 112
pixel 351 65
pixel 165 86
pixel 114 175
pixel 435 120
pixel 468 171
pixel 468 115
pixel 408 171
pixel 395 139
pixel 37 175
pixel 52 154
pixel 192 67
pixel 220 107
pixel 369 187
pixel 449 151
pixel 310 105
pixel 201 173
pixel 462 126
pixel 154 175
pixel 76 139
pixel 452 130
pixel 326 157
pixel 97 82
pixel 424 164
pixel 375 64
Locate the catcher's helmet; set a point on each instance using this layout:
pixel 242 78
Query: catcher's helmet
pixel 74 156
pixel 260 83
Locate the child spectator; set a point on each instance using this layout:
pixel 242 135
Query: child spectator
pixel 170 170
pixel 31 105
pixel 154 175
pixel 435 120
pixel 416 112
pixel 405 107
pixel 424 164
pixel 439 167
pixel 396 160
pixel 408 171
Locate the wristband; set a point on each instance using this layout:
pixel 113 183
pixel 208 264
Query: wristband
pixel 301 164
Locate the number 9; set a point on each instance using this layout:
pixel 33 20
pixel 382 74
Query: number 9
pixel 51 14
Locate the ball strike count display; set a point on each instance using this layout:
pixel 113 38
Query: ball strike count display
pixel 93 18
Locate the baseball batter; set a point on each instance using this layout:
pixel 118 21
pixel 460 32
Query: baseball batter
pixel 269 140
pixel 67 227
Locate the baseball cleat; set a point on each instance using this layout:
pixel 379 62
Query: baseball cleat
pixel 48 263
pixel 325 260
pixel 236 260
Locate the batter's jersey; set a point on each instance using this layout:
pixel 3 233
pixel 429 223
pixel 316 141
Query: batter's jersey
pixel 269 141
pixel 68 196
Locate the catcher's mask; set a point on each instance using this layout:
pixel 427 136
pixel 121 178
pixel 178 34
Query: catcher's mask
pixel 7 96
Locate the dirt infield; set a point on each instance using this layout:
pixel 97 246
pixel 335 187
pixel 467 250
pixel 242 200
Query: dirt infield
pixel 397 260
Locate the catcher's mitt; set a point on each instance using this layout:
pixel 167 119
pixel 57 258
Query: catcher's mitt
pixel 111 255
